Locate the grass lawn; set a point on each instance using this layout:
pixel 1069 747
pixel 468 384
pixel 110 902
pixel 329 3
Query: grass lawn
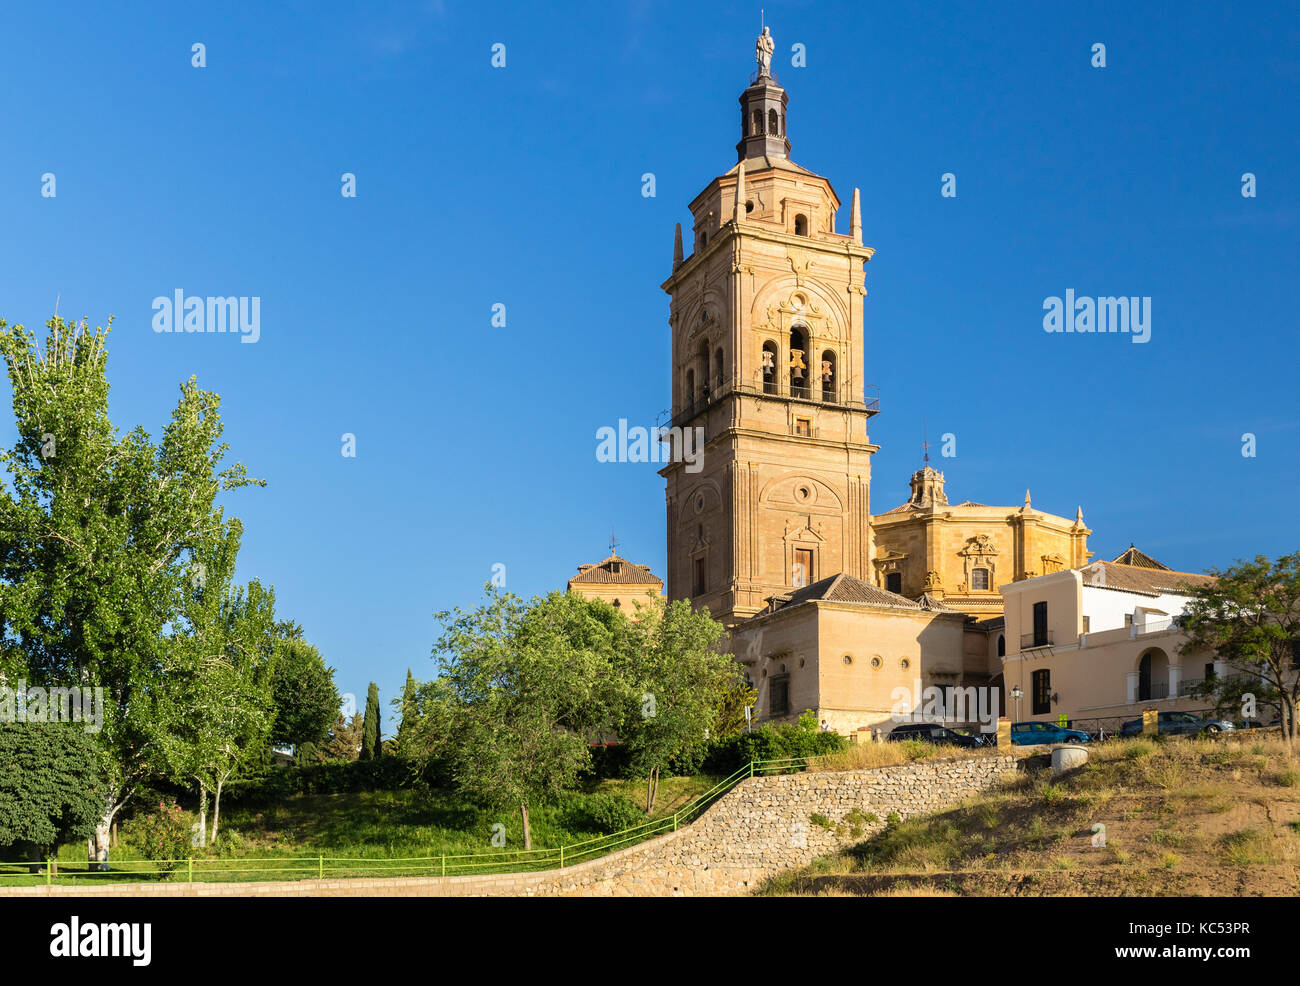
pixel 373 833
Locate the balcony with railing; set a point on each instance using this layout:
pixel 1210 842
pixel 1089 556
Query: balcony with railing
pixel 1039 638
pixel 711 396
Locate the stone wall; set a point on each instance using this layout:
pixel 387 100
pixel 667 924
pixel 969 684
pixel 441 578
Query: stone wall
pixel 760 827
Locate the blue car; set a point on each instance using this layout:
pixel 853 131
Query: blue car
pixel 1035 733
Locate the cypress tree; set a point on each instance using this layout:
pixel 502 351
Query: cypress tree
pixel 370 745
pixel 409 710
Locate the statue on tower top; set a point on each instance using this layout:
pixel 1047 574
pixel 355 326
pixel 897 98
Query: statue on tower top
pixel 763 48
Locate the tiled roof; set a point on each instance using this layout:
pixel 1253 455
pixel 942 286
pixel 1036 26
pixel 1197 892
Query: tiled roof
pixel 982 601
pixel 1135 578
pixel 1140 559
pixel 927 601
pixel 603 573
pixel 847 589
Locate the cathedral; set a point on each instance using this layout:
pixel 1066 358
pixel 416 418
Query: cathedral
pixel 830 607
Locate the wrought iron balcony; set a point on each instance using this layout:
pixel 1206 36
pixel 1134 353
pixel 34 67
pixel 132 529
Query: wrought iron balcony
pixel 1043 638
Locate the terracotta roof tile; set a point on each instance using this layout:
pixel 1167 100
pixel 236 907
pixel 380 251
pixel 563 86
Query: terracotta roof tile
pixel 1136 578
pixel 847 589
pixel 603 573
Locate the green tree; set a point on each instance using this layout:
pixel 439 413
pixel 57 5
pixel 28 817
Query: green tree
pixel 1250 618
pixel 527 686
pixel 409 706
pixel 213 712
pixel 97 533
pixel 305 697
pixel 371 745
pixel 678 682
pixel 344 742
pixel 51 789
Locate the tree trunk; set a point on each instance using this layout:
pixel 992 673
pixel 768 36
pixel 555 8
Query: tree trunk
pixel 528 835
pixel 114 834
pixel 203 815
pixel 99 844
pixel 216 810
pixel 655 799
pixel 651 790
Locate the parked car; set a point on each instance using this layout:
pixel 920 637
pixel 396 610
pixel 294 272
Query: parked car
pixel 1032 733
pixel 1179 724
pixel 934 733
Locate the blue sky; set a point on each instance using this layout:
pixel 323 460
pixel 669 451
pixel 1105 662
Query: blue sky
pixel 522 186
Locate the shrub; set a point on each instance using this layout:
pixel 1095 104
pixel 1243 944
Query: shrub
pixel 788 740
pixel 604 813
pixel 163 837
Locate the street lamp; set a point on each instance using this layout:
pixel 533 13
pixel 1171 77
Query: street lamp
pixel 1017 692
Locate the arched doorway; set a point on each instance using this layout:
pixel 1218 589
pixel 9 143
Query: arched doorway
pixel 1153 675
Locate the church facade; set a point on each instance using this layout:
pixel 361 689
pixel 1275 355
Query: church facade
pixel 829 607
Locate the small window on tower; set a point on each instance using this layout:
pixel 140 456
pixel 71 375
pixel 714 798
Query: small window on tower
pixel 698 589
pixel 802 426
pixel 894 582
pixel 801 225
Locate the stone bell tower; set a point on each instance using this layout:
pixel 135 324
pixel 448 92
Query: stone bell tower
pixel 767 359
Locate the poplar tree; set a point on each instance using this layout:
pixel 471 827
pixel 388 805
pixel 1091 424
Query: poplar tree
pixel 98 534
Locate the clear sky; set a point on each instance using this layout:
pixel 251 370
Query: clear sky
pixel 522 186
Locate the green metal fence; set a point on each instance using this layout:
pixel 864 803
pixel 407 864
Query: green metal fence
pixel 319 866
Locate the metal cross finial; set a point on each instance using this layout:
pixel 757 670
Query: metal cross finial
pixel 925 445
pixel 613 543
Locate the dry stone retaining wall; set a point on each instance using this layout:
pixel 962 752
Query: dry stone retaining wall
pixel 760 827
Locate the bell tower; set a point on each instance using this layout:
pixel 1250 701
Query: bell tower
pixel 767 359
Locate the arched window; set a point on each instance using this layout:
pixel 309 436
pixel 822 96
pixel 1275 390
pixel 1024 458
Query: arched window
pixel 798 366
pixel 801 225
pixel 1002 645
pixel 717 370
pixel 757 123
pixel 828 376
pixel 773 123
pixel 770 385
pixel 690 388
pixel 704 367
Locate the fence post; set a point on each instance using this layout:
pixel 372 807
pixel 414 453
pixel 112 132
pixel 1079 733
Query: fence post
pixel 444 864
pixel 320 866
pixel 561 857
pixel 751 768
pixel 49 871
pixel 674 821
pixel 189 865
